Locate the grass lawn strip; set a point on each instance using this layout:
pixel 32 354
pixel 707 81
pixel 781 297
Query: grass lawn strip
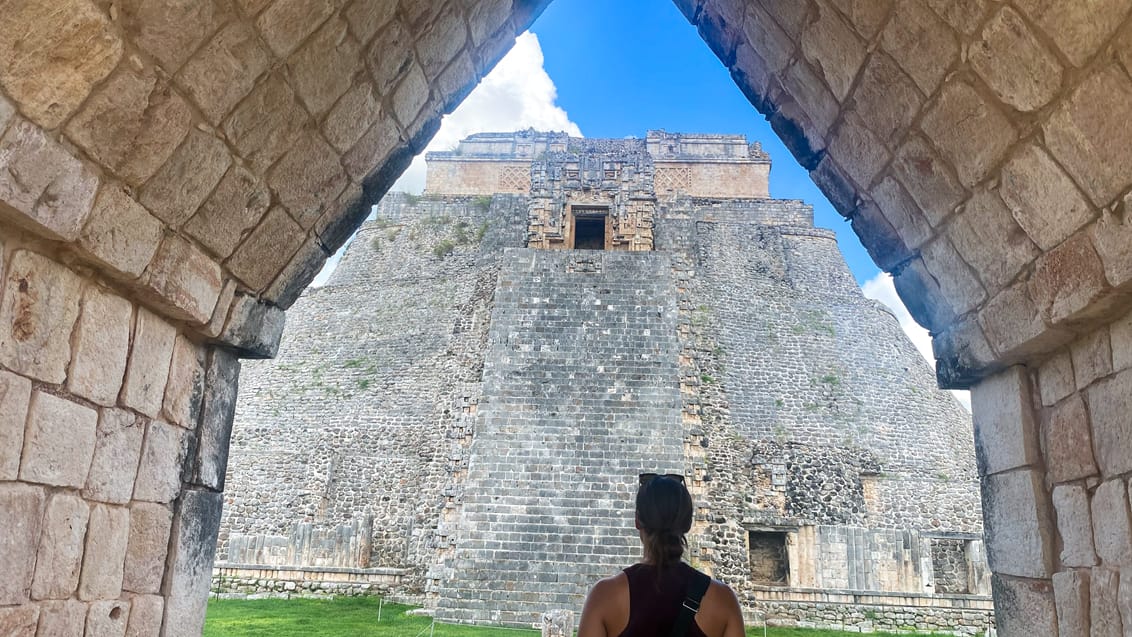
pixel 357 617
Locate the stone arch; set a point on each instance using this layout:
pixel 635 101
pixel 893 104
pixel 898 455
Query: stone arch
pixel 175 173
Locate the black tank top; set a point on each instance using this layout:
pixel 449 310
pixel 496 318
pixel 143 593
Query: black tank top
pixel 654 605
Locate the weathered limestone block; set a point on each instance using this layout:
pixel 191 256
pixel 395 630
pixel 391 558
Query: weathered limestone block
pixel 61 618
pixel 59 441
pixel 219 315
pixel 43 187
pixel 374 148
pixel 1068 280
pixel 60 553
pixel 920 42
pixel 183 280
pixel 410 97
pixel 266 250
pixel 132 124
pixel 252 7
pixel 964 15
pixel 146 612
pixel 265 124
pixel 365 19
pixel 440 44
pixel 928 179
pixel 987 236
pixel 107 619
pixel 286 23
pixel 183 183
pixel 1092 357
pixel 236 206
pixel 960 351
pixel 1017 524
pixel 1110 402
pixel 147 547
pixel 101 342
pixel 1120 338
pixel 956 280
pixel 1067 441
pixel 1006 434
pixel 1074 525
pixel 1112 234
pixel 1104 613
pixel 54 53
pixel 15 392
pixel 23 513
pixel 159 472
pixel 920 292
pixel 297 275
pixel 1124 597
pixel 1081 136
pixel 885 98
pixel 1112 528
pixel 105 553
pixel 1078 28
pixel 1014 326
pixel 19 621
pixel 452 87
pixel 116 453
pixel 485 18
pixel 1024 606
pixel 325 67
pixel 186 384
pixel 1015 64
pixel 832 46
pixel 352 116
pixel 971 131
pixel 1043 199
pixel 225 70
pixel 902 212
pixel 859 152
pixel 254 327
pixel 1055 378
pixel 120 234
pixel 148 371
pixel 192 549
pixel 308 179
pixel 170 30
pixel 389 55
pixel 41 303
pixel 217 412
pixel 1071 595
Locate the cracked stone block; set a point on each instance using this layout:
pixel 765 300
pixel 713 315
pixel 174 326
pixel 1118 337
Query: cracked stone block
pixel 254 327
pixel 147 547
pixel 15 393
pixel 1017 524
pixel 286 23
pixel 236 207
pixel 441 43
pixel 987 236
pixel 1068 280
pixel 120 234
pixel 1071 595
pixel 192 549
pixel 163 454
pixel 55 52
pixel 183 281
pixel 1074 525
pixel 101 342
pixel 928 179
pixel 59 441
pixel 61 618
pixel 1006 434
pixel 308 179
pixel 105 553
pixel 1015 64
pixel 1078 28
pixel 107 618
pixel 132 123
pixel 1014 326
pixel 972 133
pixel 352 116
pixel 374 148
pixel 171 31
pixel 410 96
pixel 960 285
pixel 1110 402
pixel 40 306
pixel 217 413
pixel 1068 441
pixel 43 187
pixel 146 612
pixel 297 275
pixel 60 553
pixel 117 449
pixel 1092 357
pixel 1043 199
pixel 225 70
pixel 325 67
pixel 148 371
pixel 266 250
pixel 1055 378
pixel 23 514
pixel 1112 527
pixel 181 185
pixel 266 123
pixel 832 46
pixel 186 384
pixel 1112 238
pixel 920 42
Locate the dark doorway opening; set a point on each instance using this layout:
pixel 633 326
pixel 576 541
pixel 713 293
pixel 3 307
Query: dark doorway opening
pixel 589 233
pixel 770 564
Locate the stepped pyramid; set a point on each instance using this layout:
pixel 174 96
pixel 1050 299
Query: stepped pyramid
pixel 462 411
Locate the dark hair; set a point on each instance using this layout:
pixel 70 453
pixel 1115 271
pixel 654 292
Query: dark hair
pixel 664 514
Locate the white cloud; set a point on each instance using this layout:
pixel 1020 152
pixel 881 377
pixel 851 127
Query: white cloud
pixel 517 94
pixel 881 288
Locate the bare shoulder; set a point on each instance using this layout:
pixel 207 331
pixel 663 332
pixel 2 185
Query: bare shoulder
pixel 720 615
pixel 607 607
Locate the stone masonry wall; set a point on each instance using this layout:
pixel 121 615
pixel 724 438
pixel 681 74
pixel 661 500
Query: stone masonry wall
pixel 370 414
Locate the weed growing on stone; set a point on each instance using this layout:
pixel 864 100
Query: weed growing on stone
pixel 443 249
pixel 482 202
pixel 481 231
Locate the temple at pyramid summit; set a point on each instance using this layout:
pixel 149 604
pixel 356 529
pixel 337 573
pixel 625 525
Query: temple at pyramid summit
pixel 458 417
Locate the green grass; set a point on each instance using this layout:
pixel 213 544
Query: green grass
pixel 357 617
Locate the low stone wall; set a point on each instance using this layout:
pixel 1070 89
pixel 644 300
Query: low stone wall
pixel 865 612
pixel 250 580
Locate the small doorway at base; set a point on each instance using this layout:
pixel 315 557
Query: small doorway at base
pixel 591 227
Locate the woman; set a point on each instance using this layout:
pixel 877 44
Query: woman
pixel 647 599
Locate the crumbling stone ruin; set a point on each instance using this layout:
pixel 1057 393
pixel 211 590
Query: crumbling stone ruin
pixel 174 174
pixel 471 396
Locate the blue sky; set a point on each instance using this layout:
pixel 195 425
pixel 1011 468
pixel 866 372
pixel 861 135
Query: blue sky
pixel 622 67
